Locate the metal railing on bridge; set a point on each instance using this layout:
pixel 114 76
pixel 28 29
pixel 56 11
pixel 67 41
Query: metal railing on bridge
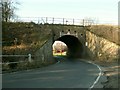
pixel 66 21
pixel 52 20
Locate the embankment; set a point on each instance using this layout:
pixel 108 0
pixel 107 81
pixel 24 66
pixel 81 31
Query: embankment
pixel 102 43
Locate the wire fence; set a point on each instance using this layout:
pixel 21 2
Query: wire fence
pixel 66 21
pixel 52 20
pixel 29 58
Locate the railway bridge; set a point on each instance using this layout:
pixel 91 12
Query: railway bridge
pixel 74 37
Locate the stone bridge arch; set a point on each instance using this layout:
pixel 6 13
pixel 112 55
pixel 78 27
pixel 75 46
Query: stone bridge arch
pixel 74 37
pixel 75 47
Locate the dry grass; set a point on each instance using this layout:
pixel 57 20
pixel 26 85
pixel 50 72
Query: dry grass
pixel 111 70
pixel 112 73
pixel 108 32
pixel 30 37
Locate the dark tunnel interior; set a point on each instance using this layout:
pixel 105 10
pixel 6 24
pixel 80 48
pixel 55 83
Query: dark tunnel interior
pixel 75 47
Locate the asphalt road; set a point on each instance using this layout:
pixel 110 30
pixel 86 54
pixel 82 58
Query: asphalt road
pixel 67 74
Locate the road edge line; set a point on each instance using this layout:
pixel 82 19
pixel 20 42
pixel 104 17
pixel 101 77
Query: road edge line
pixel 98 77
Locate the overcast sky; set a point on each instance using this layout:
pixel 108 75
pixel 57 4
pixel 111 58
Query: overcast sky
pixel 104 10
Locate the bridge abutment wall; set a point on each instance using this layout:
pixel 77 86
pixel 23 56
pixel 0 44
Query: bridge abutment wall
pixel 45 54
pixel 99 48
pixel 73 30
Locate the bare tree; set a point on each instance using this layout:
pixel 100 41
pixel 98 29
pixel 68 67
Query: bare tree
pixel 8 9
pixel 90 21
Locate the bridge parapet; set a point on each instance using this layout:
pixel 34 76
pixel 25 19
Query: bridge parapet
pixel 63 30
pixel 68 33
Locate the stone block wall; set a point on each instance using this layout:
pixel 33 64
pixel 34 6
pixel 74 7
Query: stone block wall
pixel 44 54
pixel 100 48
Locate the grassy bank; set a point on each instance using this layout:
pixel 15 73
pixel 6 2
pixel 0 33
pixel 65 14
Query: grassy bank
pixel 22 39
pixel 109 32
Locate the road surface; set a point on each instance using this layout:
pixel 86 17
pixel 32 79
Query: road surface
pixel 67 74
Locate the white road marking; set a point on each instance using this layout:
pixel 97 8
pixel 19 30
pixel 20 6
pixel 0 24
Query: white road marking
pixel 97 79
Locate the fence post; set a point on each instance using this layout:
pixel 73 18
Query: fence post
pixel 38 21
pixel 43 58
pixel 63 21
pixel 83 22
pixel 53 21
pixel 29 57
pixel 46 20
pixel 73 21
pixel 60 34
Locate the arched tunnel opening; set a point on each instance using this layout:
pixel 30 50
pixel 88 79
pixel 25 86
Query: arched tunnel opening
pixel 74 46
pixel 59 48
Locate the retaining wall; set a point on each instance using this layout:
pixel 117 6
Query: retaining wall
pixel 44 54
pixel 100 48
